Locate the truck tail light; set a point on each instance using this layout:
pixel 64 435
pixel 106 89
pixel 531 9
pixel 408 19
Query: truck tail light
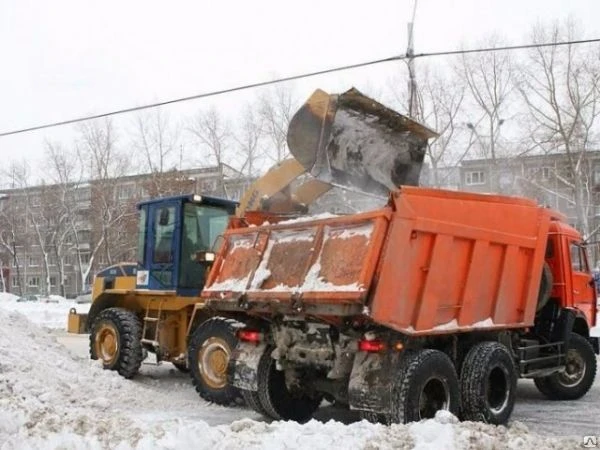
pixel 371 346
pixel 249 336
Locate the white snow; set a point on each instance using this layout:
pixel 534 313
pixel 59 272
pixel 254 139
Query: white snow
pixel 52 399
pixel 447 326
pixel 50 315
pixel 487 323
pixel 364 230
pixel 309 218
pixel 231 284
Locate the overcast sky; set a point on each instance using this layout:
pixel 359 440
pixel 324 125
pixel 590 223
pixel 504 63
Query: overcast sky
pixel 63 59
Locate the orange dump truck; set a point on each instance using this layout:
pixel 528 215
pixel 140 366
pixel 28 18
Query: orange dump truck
pixel 440 300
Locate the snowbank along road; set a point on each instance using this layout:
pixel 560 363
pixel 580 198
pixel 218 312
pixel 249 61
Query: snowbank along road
pixel 52 396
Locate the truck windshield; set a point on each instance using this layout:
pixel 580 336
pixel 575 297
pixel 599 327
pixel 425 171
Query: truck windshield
pixel 201 227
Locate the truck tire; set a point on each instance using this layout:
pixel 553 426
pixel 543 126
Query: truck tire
pixel 488 383
pixel 252 399
pixel 273 394
pixel 115 339
pixel 578 377
pixel 209 349
pixel 427 383
pixel 546 283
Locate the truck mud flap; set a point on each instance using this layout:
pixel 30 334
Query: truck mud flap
pixel 371 381
pixel 243 365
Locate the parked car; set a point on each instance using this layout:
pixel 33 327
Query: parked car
pixel 29 298
pixel 84 297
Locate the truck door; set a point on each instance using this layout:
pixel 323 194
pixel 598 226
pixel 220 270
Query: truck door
pixel 162 246
pixel 584 295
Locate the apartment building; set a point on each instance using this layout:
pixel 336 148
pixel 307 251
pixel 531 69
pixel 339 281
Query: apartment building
pixel 53 238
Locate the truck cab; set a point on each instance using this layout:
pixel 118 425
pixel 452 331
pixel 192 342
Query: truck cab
pixel 573 285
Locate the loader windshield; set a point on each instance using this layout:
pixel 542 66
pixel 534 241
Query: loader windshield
pixel 201 227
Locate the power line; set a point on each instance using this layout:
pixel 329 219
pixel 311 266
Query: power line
pixel 290 78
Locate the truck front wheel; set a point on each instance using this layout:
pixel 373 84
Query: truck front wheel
pixel 277 401
pixel 427 383
pixel 115 339
pixel 209 349
pixel 577 378
pixel 488 383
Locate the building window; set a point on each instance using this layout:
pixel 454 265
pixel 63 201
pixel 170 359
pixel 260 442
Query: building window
pixel 596 174
pixel 475 177
pixel 546 173
pixel 126 192
pixel 15 282
pixel 33 281
pixel 34 261
pixel 52 281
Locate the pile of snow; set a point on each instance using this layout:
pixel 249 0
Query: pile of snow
pixel 51 312
pixel 51 399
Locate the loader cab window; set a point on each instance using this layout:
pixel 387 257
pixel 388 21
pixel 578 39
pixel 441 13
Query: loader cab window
pixel 163 235
pixel 141 244
pixel 202 225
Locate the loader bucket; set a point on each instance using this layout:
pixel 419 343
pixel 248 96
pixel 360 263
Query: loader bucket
pixel 352 141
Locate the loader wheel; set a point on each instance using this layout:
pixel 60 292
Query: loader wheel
pixel 276 399
pixel 115 339
pixel 209 350
pixel 427 383
pixel 577 378
pixel 488 383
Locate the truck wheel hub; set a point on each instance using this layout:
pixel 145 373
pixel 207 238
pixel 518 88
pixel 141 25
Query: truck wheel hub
pixel 434 397
pixel 107 343
pixel 498 390
pixel 574 370
pixel 213 359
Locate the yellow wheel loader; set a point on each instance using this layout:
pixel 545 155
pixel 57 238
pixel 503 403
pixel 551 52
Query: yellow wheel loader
pixel 154 304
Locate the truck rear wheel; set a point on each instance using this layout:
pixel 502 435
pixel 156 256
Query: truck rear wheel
pixel 252 399
pixel 488 383
pixel 278 402
pixel 427 383
pixel 577 378
pixel 209 349
pixel 115 339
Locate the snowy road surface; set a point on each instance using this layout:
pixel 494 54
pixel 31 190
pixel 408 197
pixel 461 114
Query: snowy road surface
pixel 53 396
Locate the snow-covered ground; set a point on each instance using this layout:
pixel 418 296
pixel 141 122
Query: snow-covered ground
pixel 52 396
pixel 50 315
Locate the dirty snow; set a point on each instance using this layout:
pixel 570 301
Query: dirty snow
pixel 487 323
pixel 349 232
pixel 51 398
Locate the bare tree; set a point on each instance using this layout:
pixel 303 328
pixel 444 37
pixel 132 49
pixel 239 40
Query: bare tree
pixel 560 86
pixel 157 139
pixel 248 138
pixel 277 106
pixel 213 133
pixel 440 101
pixel 489 81
pixel 98 149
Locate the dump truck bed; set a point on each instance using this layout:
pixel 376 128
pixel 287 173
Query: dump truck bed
pixel 431 262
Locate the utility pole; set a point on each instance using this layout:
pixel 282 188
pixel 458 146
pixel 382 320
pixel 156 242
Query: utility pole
pixel 413 107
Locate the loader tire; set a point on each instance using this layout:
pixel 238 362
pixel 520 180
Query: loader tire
pixel 252 399
pixel 578 376
pixel 209 349
pixel 276 399
pixel 115 338
pixel 488 384
pixel 427 383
